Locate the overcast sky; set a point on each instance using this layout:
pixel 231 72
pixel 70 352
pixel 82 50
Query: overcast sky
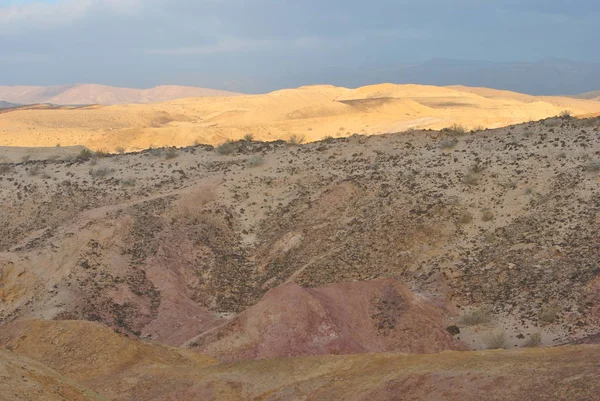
pixel 230 43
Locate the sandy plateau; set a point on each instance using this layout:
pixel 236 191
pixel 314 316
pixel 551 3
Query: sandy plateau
pixel 414 265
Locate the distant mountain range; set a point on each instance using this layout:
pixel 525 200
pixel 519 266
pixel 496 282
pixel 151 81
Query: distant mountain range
pixel 6 105
pixel 82 94
pixel 546 77
pixel 590 95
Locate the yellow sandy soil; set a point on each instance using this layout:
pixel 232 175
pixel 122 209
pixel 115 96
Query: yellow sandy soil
pixel 310 112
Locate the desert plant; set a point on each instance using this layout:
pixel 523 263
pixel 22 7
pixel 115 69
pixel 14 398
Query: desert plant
pixel 249 137
pixel 128 182
pixel 548 314
pixel 296 139
pixel 455 130
pixel 171 153
pixel 85 155
pixel 226 148
pixel 255 161
pixel 448 143
pixel 156 152
pixel 35 170
pixel 465 218
pixel 487 215
pixel 100 172
pixel 476 317
pixel 552 122
pixel 593 166
pixel 565 114
pixel 496 340
pixel 101 153
pixel 478 128
pixel 477 168
pixel 5 168
pixel 328 139
pixel 535 340
pixel 471 179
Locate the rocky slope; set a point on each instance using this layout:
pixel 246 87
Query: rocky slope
pixel 505 221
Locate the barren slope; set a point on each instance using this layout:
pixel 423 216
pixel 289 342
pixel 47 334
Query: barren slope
pixel 348 318
pixel 311 112
pixel 153 372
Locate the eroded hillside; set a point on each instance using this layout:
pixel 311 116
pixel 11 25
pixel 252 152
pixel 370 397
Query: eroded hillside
pixel 502 220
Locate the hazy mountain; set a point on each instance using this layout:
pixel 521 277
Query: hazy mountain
pixel 101 94
pixel 590 95
pixel 6 105
pixel 546 77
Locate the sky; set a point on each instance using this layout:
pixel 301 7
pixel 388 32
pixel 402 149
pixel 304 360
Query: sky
pixel 259 45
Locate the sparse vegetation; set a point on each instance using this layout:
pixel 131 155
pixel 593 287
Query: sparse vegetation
pixel 496 340
pixel 448 143
pixel 156 152
pixel 471 179
pixel 476 317
pixel 534 340
pixel 565 114
pixel 128 182
pixel 35 170
pixel 5 169
pixel 548 314
pixel 456 130
pixel 477 168
pixel 85 155
pixel 465 218
pixel 101 172
pixel 249 137
pixel 171 153
pixel 593 166
pixel 226 148
pixel 101 153
pixel 296 139
pixel 487 215
pixel 255 161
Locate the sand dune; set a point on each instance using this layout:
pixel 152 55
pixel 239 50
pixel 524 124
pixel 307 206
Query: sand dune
pixel 101 94
pixel 312 112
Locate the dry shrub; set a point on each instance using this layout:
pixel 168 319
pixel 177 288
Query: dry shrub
pixel 496 340
pixel 476 317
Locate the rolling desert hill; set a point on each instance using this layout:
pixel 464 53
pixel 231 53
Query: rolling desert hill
pixel 312 113
pixel 84 94
pixel 432 264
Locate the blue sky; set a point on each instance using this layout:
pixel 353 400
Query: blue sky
pixel 233 43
